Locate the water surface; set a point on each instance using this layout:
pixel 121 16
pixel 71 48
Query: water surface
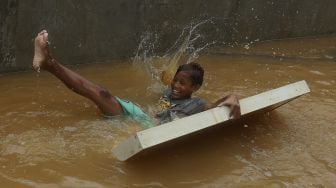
pixel 51 137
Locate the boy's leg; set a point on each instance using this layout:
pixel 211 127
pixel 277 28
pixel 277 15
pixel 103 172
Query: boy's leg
pixel 107 103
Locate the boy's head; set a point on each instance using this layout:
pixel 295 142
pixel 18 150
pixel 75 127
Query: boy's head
pixel 188 79
pixel 197 72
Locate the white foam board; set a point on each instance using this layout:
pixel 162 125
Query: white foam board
pixel 154 136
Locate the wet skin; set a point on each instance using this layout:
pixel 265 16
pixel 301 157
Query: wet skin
pixel 182 85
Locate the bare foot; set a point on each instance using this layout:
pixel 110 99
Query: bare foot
pixel 41 53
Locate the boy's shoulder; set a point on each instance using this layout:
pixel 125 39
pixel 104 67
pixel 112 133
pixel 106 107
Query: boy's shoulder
pixel 191 106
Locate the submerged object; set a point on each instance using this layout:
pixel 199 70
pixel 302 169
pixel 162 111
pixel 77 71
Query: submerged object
pixel 155 136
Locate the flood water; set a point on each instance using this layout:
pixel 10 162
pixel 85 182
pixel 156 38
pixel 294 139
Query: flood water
pixel 51 137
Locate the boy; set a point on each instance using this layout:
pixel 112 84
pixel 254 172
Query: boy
pixel 175 103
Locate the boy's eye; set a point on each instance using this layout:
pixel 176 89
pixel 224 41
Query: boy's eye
pixel 182 82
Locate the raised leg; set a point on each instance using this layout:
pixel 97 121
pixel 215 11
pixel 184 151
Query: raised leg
pixel 77 83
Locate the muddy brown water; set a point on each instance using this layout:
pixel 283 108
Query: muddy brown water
pixel 50 137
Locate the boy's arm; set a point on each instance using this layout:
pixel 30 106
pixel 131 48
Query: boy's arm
pixel 232 102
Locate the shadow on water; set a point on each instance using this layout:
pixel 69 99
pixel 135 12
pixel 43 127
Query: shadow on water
pixel 201 153
pixel 237 131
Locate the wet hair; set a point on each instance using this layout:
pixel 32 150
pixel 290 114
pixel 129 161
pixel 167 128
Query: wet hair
pixel 196 70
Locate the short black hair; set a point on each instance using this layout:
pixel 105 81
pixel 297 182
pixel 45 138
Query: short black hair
pixel 197 72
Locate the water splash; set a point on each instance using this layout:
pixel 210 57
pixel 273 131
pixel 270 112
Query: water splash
pixel 145 54
pixel 191 43
pixel 186 49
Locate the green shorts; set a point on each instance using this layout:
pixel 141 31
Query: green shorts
pixel 135 112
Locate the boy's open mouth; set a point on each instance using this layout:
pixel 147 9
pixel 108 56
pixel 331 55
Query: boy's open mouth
pixel 175 93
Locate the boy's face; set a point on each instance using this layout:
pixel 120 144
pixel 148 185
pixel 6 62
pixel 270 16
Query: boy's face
pixel 182 86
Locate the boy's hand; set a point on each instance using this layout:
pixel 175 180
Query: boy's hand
pixel 232 102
